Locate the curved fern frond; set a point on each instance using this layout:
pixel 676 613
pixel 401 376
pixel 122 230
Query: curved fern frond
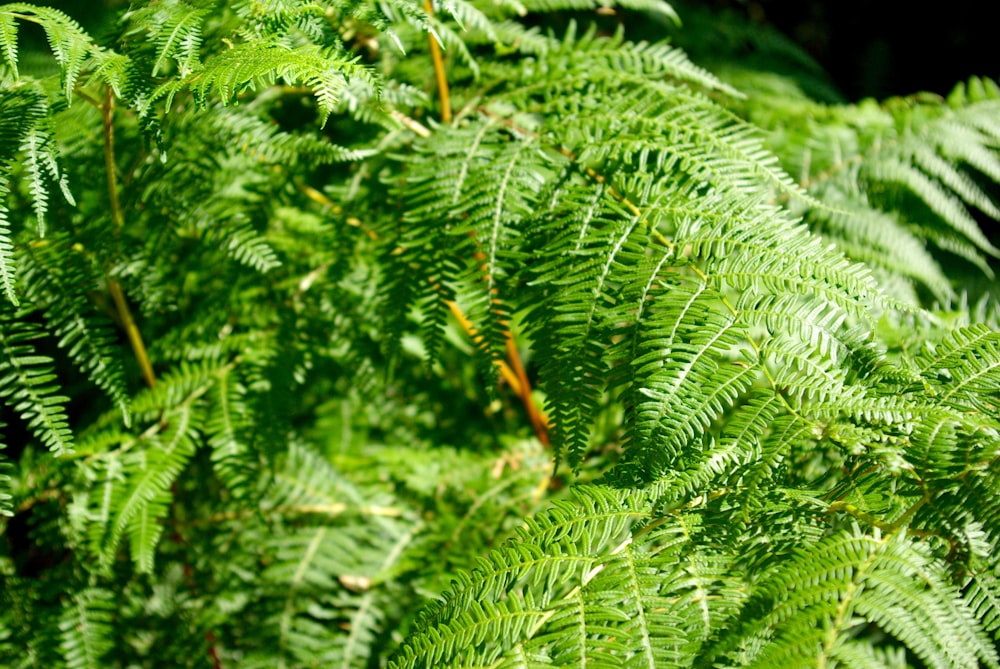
pixel 27 383
pixel 175 29
pixel 964 369
pixel 70 45
pixel 6 467
pixel 246 66
pixel 25 128
pixel 60 286
pixel 515 592
pixel 133 494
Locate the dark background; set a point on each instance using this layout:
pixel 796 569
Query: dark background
pixel 883 48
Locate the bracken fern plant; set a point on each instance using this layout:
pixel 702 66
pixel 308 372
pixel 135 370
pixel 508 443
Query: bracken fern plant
pixel 488 333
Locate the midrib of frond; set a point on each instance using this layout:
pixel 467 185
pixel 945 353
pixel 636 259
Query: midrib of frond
pixel 476 626
pixel 159 467
pixel 289 610
pixel 666 394
pixel 464 167
pixel 843 614
pixel 181 30
pixel 956 351
pixel 498 216
pixel 638 598
pixel 353 643
pixel 989 369
pixel 598 287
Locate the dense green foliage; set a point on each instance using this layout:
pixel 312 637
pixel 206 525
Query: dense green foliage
pixel 759 321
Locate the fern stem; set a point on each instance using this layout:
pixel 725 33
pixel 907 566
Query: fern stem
pixel 523 387
pixel 658 237
pixel 538 421
pixel 410 124
pixel 513 370
pixel 508 374
pixel 117 222
pixel 132 331
pixel 439 73
pixel 108 116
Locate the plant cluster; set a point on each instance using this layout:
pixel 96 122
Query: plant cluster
pixel 488 333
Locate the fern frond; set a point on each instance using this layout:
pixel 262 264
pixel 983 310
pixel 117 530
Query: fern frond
pixel 511 593
pixel 879 240
pixel 226 430
pixel 134 490
pixel 26 383
pixel 603 54
pixel 965 368
pixel 907 155
pixel 323 563
pixel 246 66
pixel 70 45
pixel 137 505
pixel 816 603
pixel 962 228
pixel 266 142
pixel 8 41
pixel 86 627
pixel 59 281
pixel 176 31
pixel 6 467
pixel 7 266
pixel 23 117
pixel 982 593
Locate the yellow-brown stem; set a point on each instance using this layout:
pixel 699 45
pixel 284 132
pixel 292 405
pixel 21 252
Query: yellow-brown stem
pixel 108 114
pixel 539 422
pixel 439 74
pixel 505 371
pixel 132 331
pixel 117 222
pixel 513 373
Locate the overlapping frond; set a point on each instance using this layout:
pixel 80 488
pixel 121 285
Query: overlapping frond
pixel 59 283
pixel 6 500
pixel 823 596
pixel 521 589
pixel 871 162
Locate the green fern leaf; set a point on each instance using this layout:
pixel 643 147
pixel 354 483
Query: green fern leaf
pixel 86 627
pixel 21 111
pixel 26 383
pixel 69 43
pixel 247 65
pixel 59 281
pixel 6 467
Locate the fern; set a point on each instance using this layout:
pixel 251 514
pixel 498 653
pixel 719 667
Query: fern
pixel 86 628
pixel 27 384
pixel 625 353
